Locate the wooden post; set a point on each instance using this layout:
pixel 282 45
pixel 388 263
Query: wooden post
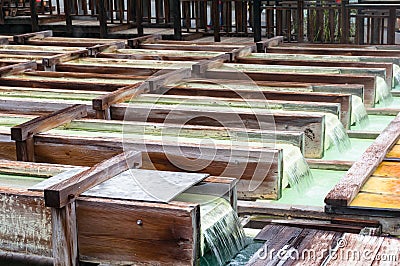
pixel 102 16
pixel 34 16
pixel 344 37
pixel 63 193
pixel 215 16
pixel 176 14
pixel 64 235
pixel 68 17
pixel 139 17
pixel 300 20
pixel 23 134
pixel 391 31
pixel 257 20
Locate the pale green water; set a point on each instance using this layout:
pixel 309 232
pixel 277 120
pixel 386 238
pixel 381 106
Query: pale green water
pixel 357 147
pixel 18 181
pixel 394 103
pixel 315 193
pixel 376 123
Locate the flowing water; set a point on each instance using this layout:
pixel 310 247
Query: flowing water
pixel 359 114
pixel 222 233
pixel 296 171
pixel 396 75
pixel 335 133
pixel 383 93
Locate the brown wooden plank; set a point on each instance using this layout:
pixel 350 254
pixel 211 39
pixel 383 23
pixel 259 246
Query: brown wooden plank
pixel 343 99
pixel 157 82
pixel 88 151
pixel 366 80
pixel 16 68
pixel 105 47
pixel 382 185
pixel 348 187
pixel 45 123
pixel 388 169
pixel 51 62
pixel 128 231
pixel 388 253
pixel 26 223
pixel 22 38
pixel 64 235
pixel 59 195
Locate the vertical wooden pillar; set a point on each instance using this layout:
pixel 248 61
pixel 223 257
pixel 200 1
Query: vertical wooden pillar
pixel 25 150
pixel 345 25
pixel 300 20
pixel 176 14
pixel 215 20
pixel 102 16
pixel 34 16
pixel 68 17
pixel 391 31
pixel 64 235
pixel 139 17
pixel 257 20
pixel 360 27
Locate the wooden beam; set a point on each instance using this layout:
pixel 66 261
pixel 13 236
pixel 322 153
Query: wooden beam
pixel 105 47
pixel 47 122
pixel 49 63
pixel 102 103
pixel 156 82
pixel 262 46
pixel 64 235
pixel 201 67
pixel 348 187
pixel 135 43
pixel 22 38
pixel 59 195
pixel 34 15
pixel 16 68
pixel 335 165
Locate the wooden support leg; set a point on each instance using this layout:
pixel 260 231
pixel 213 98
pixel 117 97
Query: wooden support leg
pixel 64 238
pixel 25 150
pixel 34 16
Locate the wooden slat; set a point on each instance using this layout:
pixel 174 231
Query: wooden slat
pixel 382 185
pixel 388 169
pixel 16 68
pixel 22 38
pixel 50 62
pixel 129 231
pixel 136 42
pixel 45 123
pixel 61 194
pixel 348 187
pixel 157 82
pixel 106 47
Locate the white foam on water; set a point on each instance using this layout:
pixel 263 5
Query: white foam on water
pixel 359 114
pixel 335 133
pixel 396 75
pixel 383 94
pixel 296 171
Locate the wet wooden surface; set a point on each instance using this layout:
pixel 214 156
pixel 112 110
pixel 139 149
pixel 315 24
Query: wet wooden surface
pixel 296 246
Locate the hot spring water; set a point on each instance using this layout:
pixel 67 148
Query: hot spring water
pixel 335 133
pixel 221 230
pixel 396 75
pixel 359 115
pixel 383 93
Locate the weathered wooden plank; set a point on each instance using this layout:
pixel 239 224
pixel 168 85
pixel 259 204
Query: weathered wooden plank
pixel 388 169
pixel 16 68
pixel 157 82
pixel 388 252
pixel 312 125
pixel 394 152
pixel 376 201
pixel 128 231
pixel 22 38
pixel 102 103
pixel 136 42
pixel 382 185
pixel 343 99
pixel 59 195
pixel 64 235
pixel 105 47
pixel 25 223
pixel 202 66
pixel 88 151
pixel 369 82
pixel 41 124
pixel 50 62
pixel 32 169
pixel 330 165
pixel 348 187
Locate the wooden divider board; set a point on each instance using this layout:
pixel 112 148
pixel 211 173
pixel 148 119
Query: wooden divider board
pixel 369 82
pixel 343 194
pixel 343 99
pixel 312 125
